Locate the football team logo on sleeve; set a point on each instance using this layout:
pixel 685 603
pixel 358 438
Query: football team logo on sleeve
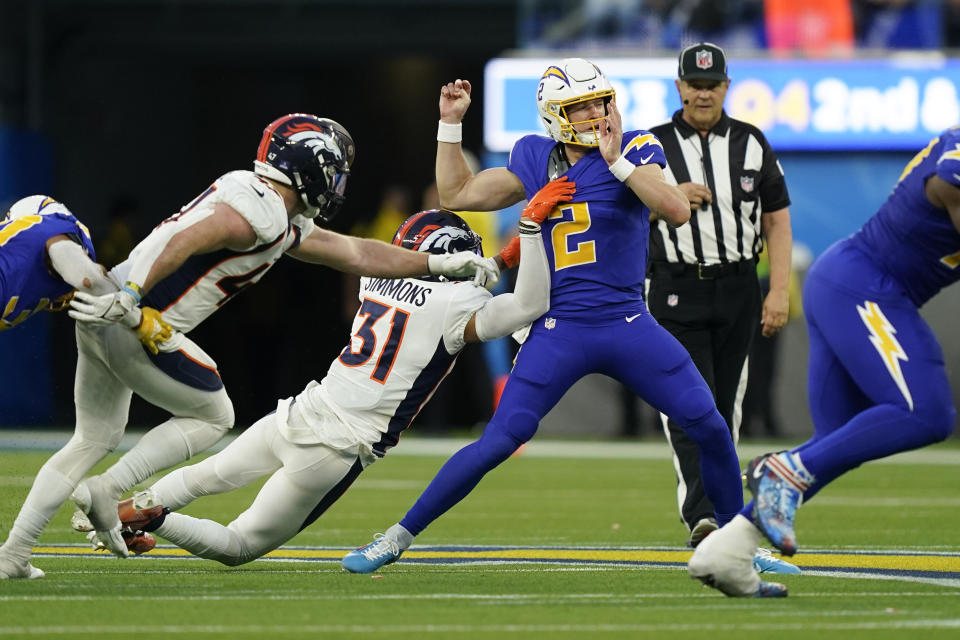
pixel 948 165
pixel 640 141
pixel 882 337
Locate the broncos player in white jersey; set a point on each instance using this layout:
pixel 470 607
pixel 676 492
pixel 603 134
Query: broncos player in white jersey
pixel 406 337
pixel 187 268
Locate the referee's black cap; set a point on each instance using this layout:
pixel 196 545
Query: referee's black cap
pixel 703 60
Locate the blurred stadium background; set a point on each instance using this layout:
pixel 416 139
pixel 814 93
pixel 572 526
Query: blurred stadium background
pixel 125 110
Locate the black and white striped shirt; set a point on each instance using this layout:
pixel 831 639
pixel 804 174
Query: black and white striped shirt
pixel 741 170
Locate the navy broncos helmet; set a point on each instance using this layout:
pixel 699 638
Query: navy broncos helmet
pixel 310 154
pixel 437 231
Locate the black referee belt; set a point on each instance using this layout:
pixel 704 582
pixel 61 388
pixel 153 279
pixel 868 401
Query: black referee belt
pixel 701 271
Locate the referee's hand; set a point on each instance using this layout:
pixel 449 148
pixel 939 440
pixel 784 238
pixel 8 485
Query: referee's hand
pixel 698 195
pixel 775 308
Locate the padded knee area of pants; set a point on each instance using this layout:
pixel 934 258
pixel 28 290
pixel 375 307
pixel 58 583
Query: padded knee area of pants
pixel 199 435
pixel 505 435
pixel 936 420
pixel 695 405
pixel 79 455
pixel 708 430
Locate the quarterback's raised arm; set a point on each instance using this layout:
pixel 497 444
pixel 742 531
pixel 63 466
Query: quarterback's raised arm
pixel 459 189
pixel 368 257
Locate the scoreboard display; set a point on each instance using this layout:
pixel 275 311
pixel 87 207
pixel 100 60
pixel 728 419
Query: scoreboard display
pixel 894 103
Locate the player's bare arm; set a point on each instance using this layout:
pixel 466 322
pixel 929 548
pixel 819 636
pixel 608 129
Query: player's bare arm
pixel 665 201
pixel 458 188
pixel 223 229
pixel 698 194
pixel 779 238
pixel 942 194
pixel 359 256
pixel 489 190
pixel 369 257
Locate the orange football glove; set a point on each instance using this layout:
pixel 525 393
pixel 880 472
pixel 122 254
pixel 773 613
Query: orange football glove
pixel 510 254
pixel 544 201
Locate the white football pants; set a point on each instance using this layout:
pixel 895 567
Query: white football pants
pixel 306 479
pixel 111 366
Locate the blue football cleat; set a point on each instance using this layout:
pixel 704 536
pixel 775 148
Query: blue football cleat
pixel 777 482
pixel 764 562
pixel 382 551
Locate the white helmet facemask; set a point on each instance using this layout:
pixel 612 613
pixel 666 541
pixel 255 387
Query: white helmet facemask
pixel 572 82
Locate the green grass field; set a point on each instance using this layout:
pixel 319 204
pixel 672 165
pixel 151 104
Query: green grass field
pixel 635 585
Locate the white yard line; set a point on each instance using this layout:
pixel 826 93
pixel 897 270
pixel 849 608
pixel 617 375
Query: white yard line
pixel 19 439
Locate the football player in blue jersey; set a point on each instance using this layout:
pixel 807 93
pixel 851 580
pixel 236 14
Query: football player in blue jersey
pixel 877 379
pixel 45 254
pixel 596 246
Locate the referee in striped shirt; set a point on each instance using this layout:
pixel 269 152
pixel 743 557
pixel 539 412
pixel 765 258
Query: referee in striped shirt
pixel 702 275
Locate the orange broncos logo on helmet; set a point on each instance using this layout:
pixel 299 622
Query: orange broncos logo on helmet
pixel 300 127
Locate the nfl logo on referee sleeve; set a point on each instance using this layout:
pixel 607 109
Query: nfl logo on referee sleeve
pixel 746 183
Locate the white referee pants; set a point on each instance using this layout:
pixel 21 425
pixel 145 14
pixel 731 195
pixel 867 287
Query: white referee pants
pixel 305 479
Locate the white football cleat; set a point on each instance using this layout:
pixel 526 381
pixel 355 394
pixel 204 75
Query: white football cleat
pixel 80 522
pixel 100 507
pixel 10 569
pixel 724 560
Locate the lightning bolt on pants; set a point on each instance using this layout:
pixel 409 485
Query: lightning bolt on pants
pixel 856 383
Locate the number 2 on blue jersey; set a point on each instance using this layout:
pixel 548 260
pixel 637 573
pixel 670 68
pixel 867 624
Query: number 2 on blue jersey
pixel 374 311
pixel 582 252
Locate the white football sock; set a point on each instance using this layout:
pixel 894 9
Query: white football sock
pixel 54 483
pixel 166 445
pixel 203 538
pixel 400 534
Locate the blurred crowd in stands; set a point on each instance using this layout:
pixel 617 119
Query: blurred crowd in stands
pixel 786 27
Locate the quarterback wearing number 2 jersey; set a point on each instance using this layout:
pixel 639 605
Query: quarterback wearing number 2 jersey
pixel 596 245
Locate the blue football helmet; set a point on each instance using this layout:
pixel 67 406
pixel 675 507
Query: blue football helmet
pixel 437 231
pixel 313 156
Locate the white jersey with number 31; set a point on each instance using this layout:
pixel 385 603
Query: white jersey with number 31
pixel 406 338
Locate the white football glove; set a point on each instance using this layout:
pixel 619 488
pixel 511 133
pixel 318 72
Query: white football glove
pixel 463 264
pixel 105 309
pixel 482 276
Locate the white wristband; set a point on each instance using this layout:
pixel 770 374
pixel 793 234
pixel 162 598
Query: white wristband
pixel 449 132
pixel 622 168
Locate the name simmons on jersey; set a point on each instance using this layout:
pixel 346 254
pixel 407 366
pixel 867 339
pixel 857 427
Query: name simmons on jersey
pixel 400 290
